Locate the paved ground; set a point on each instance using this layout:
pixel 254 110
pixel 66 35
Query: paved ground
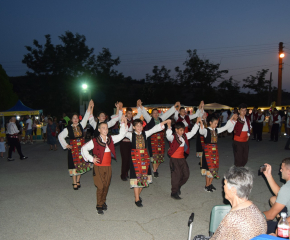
pixel 37 200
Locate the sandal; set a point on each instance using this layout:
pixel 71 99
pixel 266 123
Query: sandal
pixel 74 187
pixel 79 186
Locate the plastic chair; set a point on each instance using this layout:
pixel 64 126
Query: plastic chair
pixel 217 214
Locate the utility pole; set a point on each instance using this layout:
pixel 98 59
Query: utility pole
pixel 270 89
pixel 280 67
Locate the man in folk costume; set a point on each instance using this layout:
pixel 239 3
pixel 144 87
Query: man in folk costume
pixel 254 118
pixel 103 150
pixel 276 120
pixel 259 125
pixel 156 142
pixel 102 118
pixel 178 152
pixel 125 144
pixel 181 116
pixel 242 131
pixel 210 163
pixel 140 171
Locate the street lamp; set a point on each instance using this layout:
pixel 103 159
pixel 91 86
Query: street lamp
pixel 84 102
pixel 280 68
pixel 282 55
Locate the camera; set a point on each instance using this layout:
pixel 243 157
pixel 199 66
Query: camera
pixel 263 168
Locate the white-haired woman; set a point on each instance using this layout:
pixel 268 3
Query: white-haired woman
pixel 244 221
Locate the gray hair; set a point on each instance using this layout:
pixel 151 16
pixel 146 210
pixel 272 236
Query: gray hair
pixel 242 179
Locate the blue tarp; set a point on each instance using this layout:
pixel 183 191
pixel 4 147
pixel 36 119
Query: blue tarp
pixel 19 106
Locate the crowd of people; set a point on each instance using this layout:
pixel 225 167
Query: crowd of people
pixel 142 144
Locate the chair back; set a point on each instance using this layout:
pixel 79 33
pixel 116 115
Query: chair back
pixel 217 214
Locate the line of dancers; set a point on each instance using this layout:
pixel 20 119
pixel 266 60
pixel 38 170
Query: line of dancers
pixel 142 146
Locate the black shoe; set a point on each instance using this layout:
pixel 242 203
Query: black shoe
pixel 75 188
pixel 79 186
pixel 124 179
pixel 105 207
pixel 22 158
pixel 212 187
pixel 10 159
pixel 155 174
pixel 139 203
pixel 179 192
pixel 175 196
pixel 140 199
pixel 100 211
pixel 208 189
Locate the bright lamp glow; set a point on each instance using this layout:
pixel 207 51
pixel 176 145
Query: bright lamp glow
pixel 18 117
pixel 84 86
pixel 282 55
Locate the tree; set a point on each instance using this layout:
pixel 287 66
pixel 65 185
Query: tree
pixel 229 92
pixel 71 58
pixel 8 98
pixel 198 71
pixel 160 76
pixel 257 83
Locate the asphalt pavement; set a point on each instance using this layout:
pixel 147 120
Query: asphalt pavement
pixel 37 200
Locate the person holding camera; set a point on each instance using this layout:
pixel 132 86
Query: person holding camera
pixel 281 201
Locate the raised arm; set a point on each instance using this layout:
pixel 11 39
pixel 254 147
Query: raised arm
pixel 138 115
pixel 168 113
pixel 229 126
pixel 88 114
pixel 61 138
pixel 85 151
pixel 169 135
pixel 177 112
pixel 146 115
pixel 114 119
pixel 123 131
pixel 194 130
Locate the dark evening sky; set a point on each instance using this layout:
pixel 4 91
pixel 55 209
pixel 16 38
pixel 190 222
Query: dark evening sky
pixel 241 35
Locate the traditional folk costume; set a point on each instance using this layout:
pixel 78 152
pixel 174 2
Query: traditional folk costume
pixel 276 120
pixel 259 126
pixel 140 171
pixel 199 146
pixel 102 171
pixel 156 142
pixel 76 163
pixel 242 131
pixel 254 118
pixel 125 147
pixel 111 123
pixel 186 119
pixel 210 159
pixel 13 141
pixel 178 151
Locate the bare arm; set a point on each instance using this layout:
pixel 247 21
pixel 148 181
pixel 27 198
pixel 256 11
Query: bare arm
pixel 268 174
pixel 273 211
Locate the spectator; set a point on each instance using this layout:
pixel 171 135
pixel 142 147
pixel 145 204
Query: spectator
pixel 66 119
pixel 224 118
pixel 51 134
pixel 28 129
pixel 281 201
pixel 57 125
pixel 244 221
pixel 283 116
pixel 34 128
pixel 44 126
pixel 287 123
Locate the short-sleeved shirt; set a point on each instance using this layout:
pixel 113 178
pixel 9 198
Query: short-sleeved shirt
pixel 284 196
pixel 29 122
pixel 225 117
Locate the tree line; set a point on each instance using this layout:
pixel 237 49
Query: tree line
pixel 56 72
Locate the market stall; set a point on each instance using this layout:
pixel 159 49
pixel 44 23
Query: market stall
pixel 19 109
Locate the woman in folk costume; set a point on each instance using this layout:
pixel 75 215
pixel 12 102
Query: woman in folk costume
pixel 76 164
pixel 102 118
pixel 125 144
pixel 181 116
pixel 140 172
pixel 103 151
pixel 156 142
pixel 210 162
